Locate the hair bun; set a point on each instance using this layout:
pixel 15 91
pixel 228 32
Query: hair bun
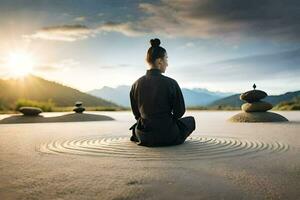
pixel 155 42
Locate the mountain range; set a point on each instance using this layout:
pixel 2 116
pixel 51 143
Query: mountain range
pixel 192 97
pixel 234 100
pixel 38 89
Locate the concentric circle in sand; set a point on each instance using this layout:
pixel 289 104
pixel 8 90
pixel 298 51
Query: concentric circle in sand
pixel 197 147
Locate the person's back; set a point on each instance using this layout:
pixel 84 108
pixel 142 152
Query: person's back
pixel 157 95
pixel 157 104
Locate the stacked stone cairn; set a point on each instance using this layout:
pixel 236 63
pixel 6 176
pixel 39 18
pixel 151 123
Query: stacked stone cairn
pixel 78 107
pixel 255 110
pixel 254 103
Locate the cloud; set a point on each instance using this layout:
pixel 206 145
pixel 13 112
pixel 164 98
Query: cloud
pixel 80 19
pixel 46 68
pixel 128 28
pixel 187 45
pixel 224 19
pixel 278 19
pixel 104 67
pixel 64 65
pixel 69 33
pixel 283 65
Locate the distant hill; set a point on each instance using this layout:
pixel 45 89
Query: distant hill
pixel 192 97
pixel 294 104
pixel 119 95
pixel 200 97
pixel 234 100
pixel 276 99
pixel 216 93
pixel 38 89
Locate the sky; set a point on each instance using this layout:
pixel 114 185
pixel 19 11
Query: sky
pixel 221 45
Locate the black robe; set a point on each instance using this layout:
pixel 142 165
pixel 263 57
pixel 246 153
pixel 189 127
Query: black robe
pixel 158 105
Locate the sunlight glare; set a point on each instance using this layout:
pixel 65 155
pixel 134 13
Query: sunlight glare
pixel 21 63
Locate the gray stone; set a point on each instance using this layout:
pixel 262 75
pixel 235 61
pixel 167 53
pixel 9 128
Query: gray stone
pixel 253 95
pixel 259 106
pixel 30 111
pixel 79 109
pixel 258 117
pixel 78 103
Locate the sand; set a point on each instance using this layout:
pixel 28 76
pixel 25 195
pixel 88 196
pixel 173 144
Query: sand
pixel 67 117
pixel 96 160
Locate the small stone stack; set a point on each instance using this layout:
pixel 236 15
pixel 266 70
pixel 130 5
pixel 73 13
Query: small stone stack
pixel 254 103
pixel 255 110
pixel 79 108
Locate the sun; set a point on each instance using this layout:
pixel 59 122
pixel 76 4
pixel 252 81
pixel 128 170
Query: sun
pixel 20 63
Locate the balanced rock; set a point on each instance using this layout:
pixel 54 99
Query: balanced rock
pixel 256 110
pixel 78 103
pixel 259 106
pixel 30 111
pixel 253 95
pixel 258 117
pixel 79 109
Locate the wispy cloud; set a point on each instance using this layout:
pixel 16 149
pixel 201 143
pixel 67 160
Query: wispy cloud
pixel 80 19
pixel 46 68
pixel 187 45
pixel 114 66
pixel 63 65
pixel 128 28
pixel 283 65
pixel 69 33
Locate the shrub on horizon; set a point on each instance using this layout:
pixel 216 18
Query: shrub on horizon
pixel 289 105
pixel 45 106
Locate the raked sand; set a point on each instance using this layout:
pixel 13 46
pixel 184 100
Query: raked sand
pixel 96 160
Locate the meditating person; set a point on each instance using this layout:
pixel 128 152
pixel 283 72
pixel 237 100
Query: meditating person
pixel 158 104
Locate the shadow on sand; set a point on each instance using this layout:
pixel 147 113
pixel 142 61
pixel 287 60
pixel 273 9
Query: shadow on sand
pixel 73 117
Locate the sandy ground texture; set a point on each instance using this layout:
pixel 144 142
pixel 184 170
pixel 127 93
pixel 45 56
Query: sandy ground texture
pixel 45 118
pixel 96 160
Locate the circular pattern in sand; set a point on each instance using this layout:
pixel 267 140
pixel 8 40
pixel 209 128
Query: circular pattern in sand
pixel 194 148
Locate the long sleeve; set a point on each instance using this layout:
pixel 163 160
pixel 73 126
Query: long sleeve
pixel 178 102
pixel 134 105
